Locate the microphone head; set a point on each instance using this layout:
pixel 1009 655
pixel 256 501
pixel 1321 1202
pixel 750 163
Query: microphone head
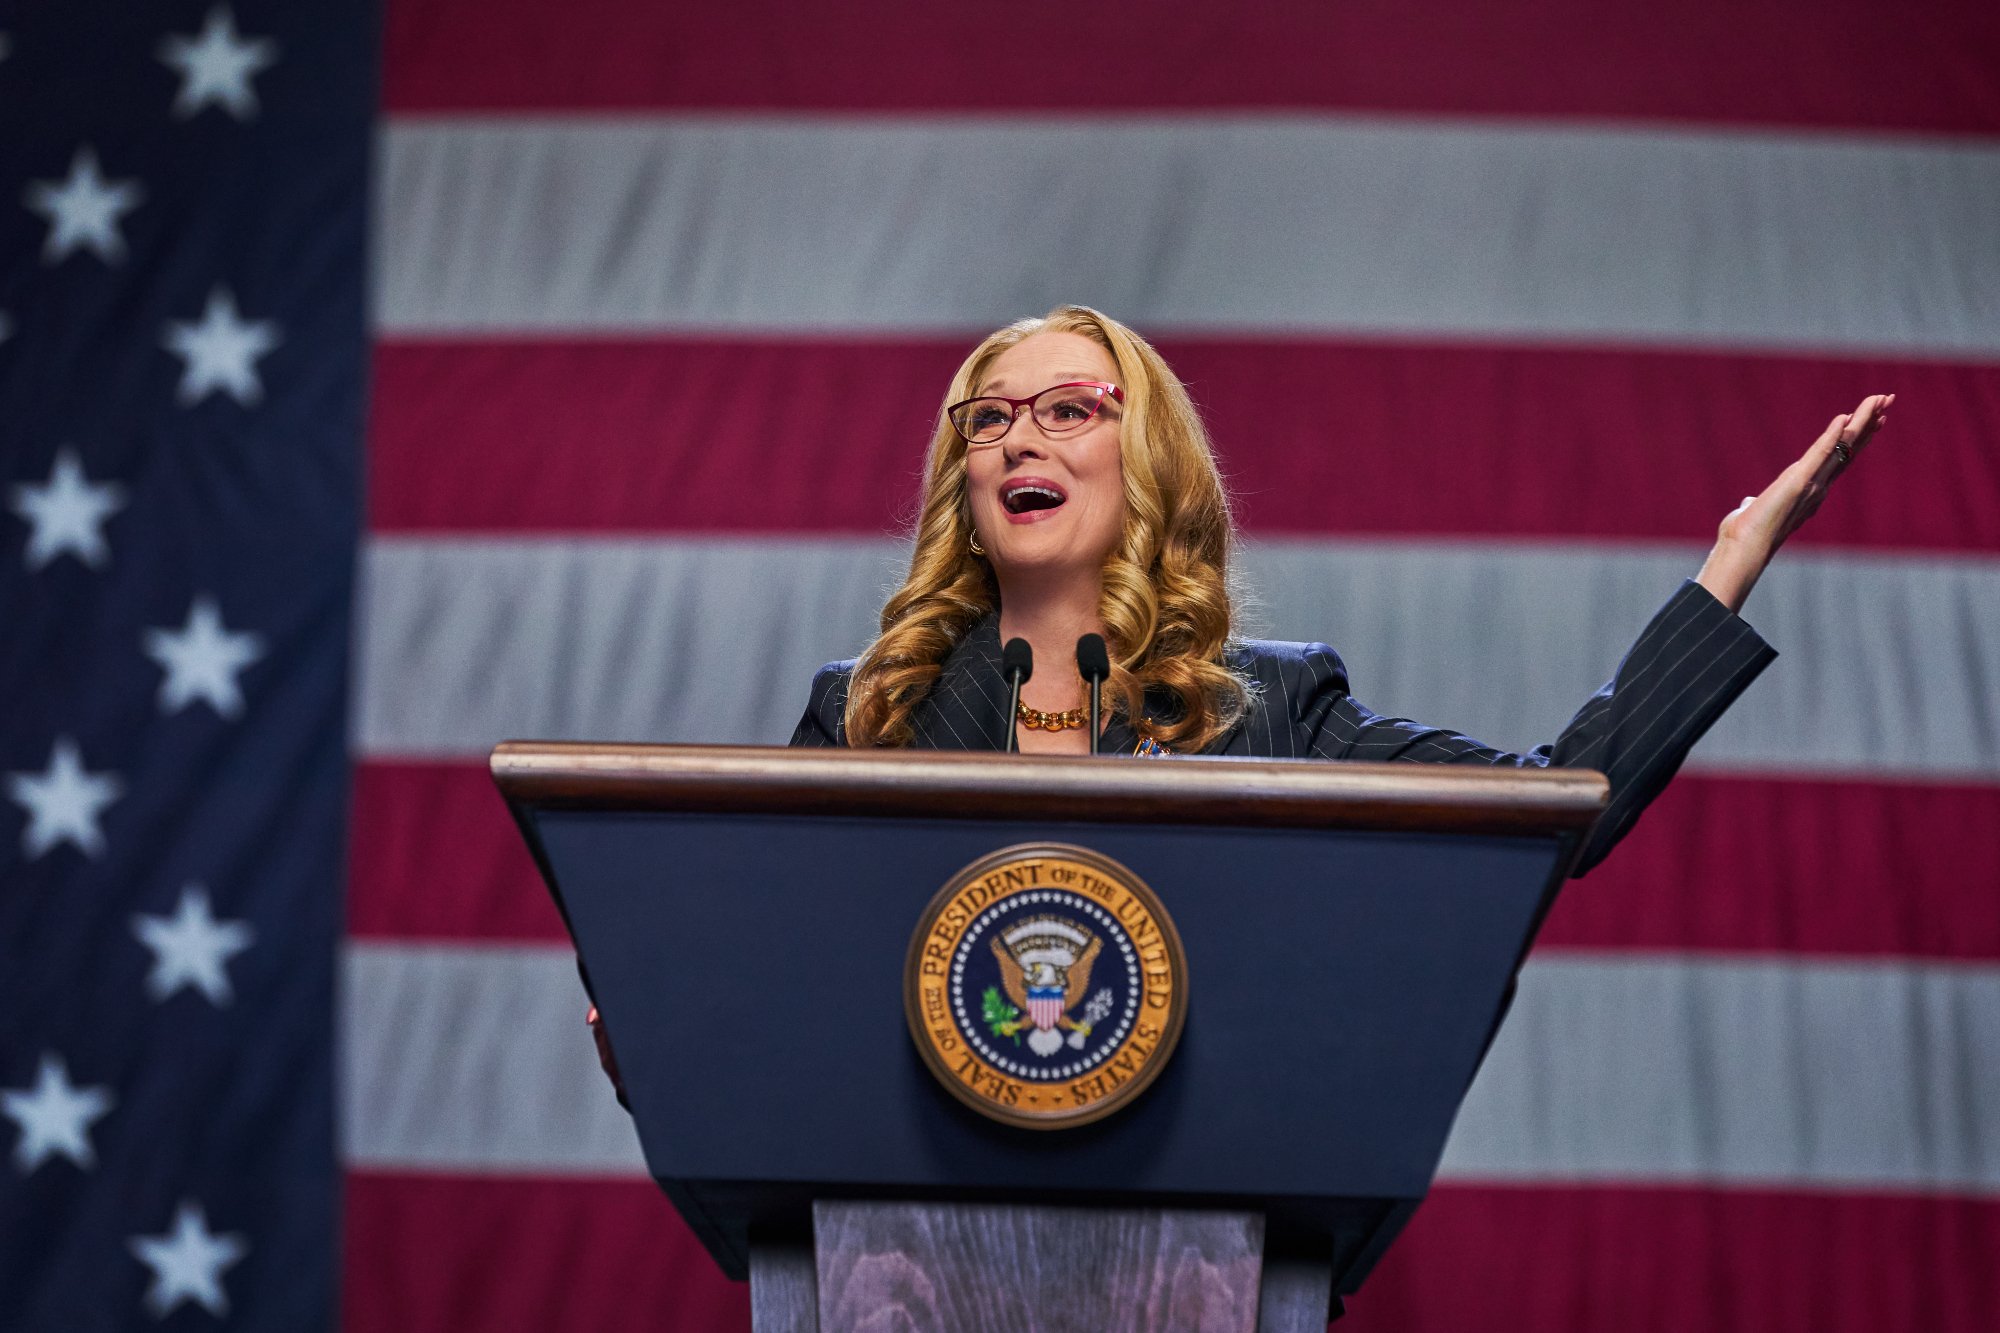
pixel 1091 659
pixel 1017 661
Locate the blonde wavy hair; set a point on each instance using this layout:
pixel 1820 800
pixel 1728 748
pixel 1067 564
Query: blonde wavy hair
pixel 1166 601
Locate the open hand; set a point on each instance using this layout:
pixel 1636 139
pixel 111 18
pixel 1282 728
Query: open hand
pixel 1752 532
pixel 605 1059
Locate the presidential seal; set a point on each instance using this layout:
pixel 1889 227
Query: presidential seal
pixel 1045 986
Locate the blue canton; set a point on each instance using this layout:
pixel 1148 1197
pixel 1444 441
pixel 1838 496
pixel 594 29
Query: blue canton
pixel 182 330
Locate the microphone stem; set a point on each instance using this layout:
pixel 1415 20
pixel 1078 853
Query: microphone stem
pixel 1096 705
pixel 1014 714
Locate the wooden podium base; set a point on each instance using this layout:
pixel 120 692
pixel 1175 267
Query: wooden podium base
pixel 989 1268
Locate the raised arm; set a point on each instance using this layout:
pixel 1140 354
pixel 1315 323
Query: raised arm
pixel 1686 668
pixel 1682 673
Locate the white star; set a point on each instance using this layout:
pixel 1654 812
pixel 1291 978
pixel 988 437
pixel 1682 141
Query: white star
pixel 83 210
pixel 67 513
pixel 187 1263
pixel 201 660
pixel 63 802
pixel 221 350
pixel 191 948
pixel 54 1118
pixel 217 66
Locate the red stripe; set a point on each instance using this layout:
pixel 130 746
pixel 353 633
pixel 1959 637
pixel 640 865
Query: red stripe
pixel 1740 864
pixel 495 1255
pixel 1318 437
pixel 1847 63
pixel 1673 1261
pixel 434 855
pixel 452 1254
pixel 1787 865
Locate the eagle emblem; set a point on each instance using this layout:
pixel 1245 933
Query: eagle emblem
pixel 1045 964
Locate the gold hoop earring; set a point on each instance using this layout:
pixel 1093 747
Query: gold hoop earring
pixel 972 545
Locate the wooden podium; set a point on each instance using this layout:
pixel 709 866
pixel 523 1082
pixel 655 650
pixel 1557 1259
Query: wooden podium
pixel 745 917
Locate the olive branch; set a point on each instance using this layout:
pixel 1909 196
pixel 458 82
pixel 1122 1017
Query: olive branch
pixel 1003 1018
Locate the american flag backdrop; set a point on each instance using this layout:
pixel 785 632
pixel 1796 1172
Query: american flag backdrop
pixel 1493 314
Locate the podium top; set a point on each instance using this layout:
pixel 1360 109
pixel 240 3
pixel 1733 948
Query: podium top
pixel 1262 793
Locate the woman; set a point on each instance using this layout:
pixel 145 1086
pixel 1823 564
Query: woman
pixel 1071 489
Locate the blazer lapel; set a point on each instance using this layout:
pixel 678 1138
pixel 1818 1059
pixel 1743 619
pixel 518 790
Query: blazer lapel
pixel 1120 737
pixel 966 708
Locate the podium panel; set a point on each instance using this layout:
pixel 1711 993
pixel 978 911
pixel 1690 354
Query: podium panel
pixel 1345 974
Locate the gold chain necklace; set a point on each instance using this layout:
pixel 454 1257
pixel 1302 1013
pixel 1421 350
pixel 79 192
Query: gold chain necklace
pixel 1034 719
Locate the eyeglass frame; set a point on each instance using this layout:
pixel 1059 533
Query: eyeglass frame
pixel 1116 394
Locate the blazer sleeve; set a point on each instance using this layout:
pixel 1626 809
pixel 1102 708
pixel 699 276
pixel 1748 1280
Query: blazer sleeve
pixel 826 708
pixel 1686 668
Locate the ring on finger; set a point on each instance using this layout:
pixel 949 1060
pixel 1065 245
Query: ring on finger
pixel 1842 452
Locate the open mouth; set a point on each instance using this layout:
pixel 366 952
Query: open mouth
pixel 1031 496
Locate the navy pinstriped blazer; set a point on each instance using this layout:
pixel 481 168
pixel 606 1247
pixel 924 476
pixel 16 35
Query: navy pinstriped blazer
pixel 1686 668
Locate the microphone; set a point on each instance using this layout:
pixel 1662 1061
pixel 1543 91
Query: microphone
pixel 1094 664
pixel 1017 663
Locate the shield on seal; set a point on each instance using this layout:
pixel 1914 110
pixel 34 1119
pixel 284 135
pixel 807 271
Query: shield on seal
pixel 1045 1006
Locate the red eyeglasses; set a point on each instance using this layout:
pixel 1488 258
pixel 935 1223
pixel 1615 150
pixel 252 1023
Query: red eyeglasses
pixel 1059 408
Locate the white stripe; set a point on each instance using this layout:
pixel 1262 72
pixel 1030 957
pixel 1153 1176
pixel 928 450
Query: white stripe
pixel 1828 1074
pixel 1750 1072
pixel 497 225
pixel 465 642
pixel 1887 666
pixel 474 1059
